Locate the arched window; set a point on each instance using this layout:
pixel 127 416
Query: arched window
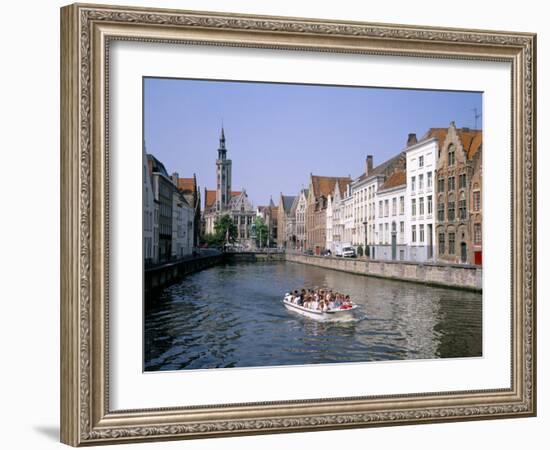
pixel 451 155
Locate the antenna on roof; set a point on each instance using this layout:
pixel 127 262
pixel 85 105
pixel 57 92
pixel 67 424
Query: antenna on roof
pixel 476 116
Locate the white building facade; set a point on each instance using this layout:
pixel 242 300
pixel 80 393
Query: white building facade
pixel 182 227
pixel 335 220
pixel 389 219
pixel 300 222
pixel 420 214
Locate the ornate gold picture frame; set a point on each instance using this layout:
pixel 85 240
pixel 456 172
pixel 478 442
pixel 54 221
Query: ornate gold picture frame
pixel 87 31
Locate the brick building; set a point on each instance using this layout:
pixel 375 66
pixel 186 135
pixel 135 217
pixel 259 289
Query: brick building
pixel 459 192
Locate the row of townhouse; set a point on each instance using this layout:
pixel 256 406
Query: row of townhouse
pixel 424 204
pixel 171 213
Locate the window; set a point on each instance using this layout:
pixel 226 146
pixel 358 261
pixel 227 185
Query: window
pixel 421 161
pixel 394 206
pixel 401 255
pixel 401 205
pixel 401 227
pixel 380 233
pixel 441 185
pixel 413 207
pixel 380 212
pixel 441 212
pixel 451 211
pixel 451 184
pixel 451 155
pixel 429 180
pixel 421 233
pixel 477 200
pixel 420 182
pixel 421 205
pixel 451 243
pixel 430 206
pixel 386 208
pixel 462 207
pixel 413 233
pixel 413 184
pixel 462 181
pixel 477 234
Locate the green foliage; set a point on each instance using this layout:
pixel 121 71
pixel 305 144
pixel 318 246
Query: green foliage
pixel 259 230
pixel 224 228
pixel 360 250
pixel 212 240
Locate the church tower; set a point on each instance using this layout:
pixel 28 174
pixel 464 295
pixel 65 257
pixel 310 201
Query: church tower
pixel 223 176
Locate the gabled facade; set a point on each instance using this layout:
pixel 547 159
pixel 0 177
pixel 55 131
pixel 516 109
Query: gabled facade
pixel 300 219
pixel 320 187
pixel 286 236
pixel 191 192
pixel 335 234
pixel 458 194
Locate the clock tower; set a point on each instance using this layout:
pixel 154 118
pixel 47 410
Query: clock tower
pixel 223 176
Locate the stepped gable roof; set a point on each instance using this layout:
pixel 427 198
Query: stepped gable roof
pixel 286 202
pixel 471 139
pixel 398 178
pixel 324 186
pixel 187 184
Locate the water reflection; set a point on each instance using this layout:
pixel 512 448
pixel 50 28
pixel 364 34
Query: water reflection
pixel 232 316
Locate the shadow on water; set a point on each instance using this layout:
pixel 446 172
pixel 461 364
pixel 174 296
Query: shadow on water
pixel 232 316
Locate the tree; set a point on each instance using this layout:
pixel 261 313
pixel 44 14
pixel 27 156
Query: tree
pixel 360 250
pixel 212 240
pixel 260 232
pixel 225 229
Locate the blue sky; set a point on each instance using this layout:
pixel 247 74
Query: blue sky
pixel 277 134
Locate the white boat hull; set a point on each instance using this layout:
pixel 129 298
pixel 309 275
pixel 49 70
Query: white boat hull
pixel 334 314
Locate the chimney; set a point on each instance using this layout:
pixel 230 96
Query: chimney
pixel 175 177
pixel 368 168
pixel 411 140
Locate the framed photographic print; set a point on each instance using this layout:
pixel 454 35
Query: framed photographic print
pixel 276 224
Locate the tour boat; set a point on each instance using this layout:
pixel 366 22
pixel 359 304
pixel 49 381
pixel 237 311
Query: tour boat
pixel 331 314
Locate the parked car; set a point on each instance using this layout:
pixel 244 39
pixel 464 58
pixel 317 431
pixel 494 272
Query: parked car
pixel 326 253
pixel 349 252
pixel 309 252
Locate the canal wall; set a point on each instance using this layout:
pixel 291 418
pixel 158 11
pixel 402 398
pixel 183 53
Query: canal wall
pixel 448 275
pixel 253 256
pixel 162 275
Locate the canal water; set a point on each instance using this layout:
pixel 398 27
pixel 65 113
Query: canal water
pixel 232 316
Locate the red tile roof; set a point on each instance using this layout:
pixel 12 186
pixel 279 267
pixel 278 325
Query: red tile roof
pixel 187 184
pixel 323 186
pixel 398 178
pixel 209 198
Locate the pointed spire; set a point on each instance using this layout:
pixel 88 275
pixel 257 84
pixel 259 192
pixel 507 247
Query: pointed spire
pixel 222 139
